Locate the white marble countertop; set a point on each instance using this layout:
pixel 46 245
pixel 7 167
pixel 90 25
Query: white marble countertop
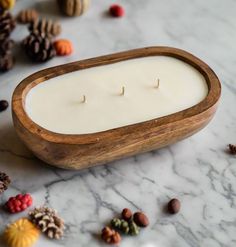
pixel 197 170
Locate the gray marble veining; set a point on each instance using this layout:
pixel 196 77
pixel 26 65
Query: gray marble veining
pixel 197 170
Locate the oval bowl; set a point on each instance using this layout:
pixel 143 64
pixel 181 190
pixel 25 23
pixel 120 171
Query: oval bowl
pixel 87 150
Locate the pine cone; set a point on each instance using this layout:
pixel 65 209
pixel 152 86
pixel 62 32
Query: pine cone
pixel 27 16
pixel 232 149
pixel 47 220
pixel 6 62
pixel 48 27
pixel 38 47
pixel 4 182
pixel 7 24
pixel 6 46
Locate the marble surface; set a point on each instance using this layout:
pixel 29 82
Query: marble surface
pixel 197 170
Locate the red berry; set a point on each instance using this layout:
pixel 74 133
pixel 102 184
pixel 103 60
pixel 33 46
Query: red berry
pixel 19 203
pixel 19 196
pixel 24 200
pixel 27 196
pixel 117 10
pixel 18 209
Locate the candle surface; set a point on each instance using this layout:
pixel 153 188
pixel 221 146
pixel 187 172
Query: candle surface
pixel 115 95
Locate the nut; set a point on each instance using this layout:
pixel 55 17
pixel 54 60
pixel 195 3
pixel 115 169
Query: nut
pixel 141 219
pixel 126 214
pixel 173 206
pixel 3 105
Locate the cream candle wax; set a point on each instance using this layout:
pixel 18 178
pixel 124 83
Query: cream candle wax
pixel 115 95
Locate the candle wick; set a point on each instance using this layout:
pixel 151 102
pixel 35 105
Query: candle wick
pixel 158 83
pixel 123 91
pixel 84 99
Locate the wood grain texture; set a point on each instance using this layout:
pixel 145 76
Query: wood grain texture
pixel 82 151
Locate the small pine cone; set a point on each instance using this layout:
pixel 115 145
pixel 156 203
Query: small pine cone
pixel 110 236
pixel 232 149
pixel 47 220
pixel 4 182
pixel 48 27
pixel 6 46
pixel 7 24
pixel 27 16
pixel 38 47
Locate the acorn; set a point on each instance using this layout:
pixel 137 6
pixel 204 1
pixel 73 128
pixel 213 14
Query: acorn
pixel 3 105
pixel 126 214
pixel 141 219
pixel 173 206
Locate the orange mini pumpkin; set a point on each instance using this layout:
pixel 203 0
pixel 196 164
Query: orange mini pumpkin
pixel 63 47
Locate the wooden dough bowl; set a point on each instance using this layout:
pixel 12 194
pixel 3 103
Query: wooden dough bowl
pixel 87 150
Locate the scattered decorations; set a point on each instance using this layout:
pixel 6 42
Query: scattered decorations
pixel 110 236
pixel 44 26
pixel 117 10
pixel 73 7
pixel 232 148
pixel 21 233
pixel 141 219
pixel 4 178
pixel 38 47
pixel 19 203
pixel 47 220
pixel 3 106
pixel 128 224
pixel 173 206
pixel 63 47
pixel 24 232
pixel 7 4
pixel 27 16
